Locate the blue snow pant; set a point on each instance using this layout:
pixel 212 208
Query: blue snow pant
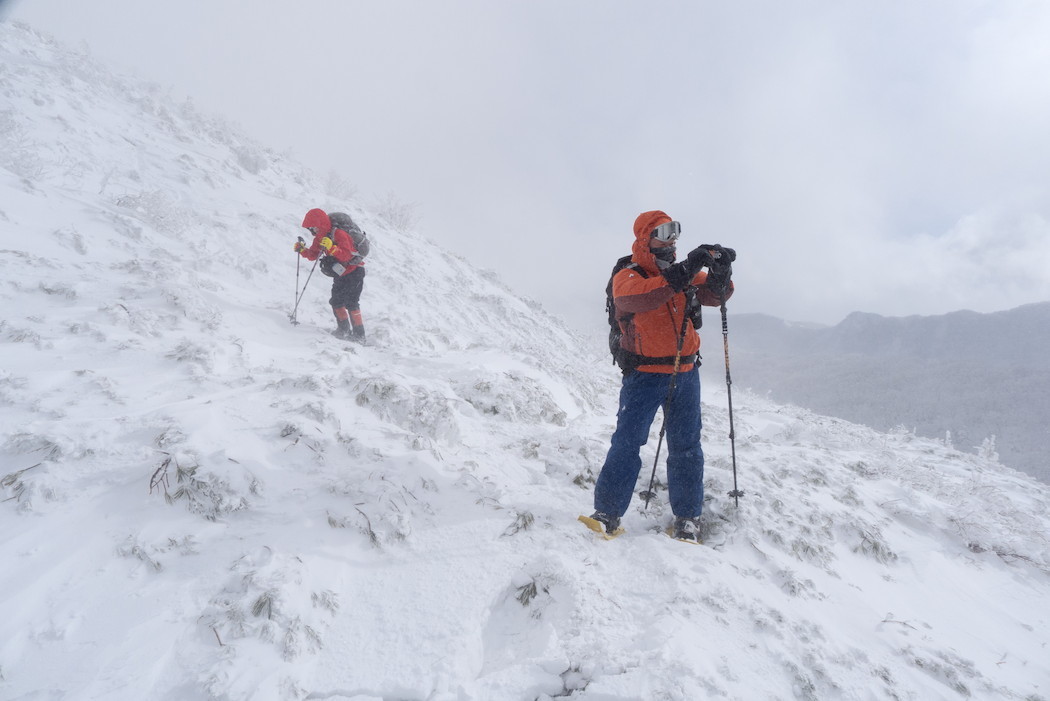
pixel 641 394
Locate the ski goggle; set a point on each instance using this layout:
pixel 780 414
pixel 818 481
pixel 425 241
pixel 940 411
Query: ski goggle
pixel 667 232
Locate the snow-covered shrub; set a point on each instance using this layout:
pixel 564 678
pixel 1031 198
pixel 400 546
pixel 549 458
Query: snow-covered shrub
pixel 380 508
pixel 338 188
pixel 416 409
pixel 265 598
pixel 58 289
pixel 523 521
pixel 192 353
pixel 511 396
pixel 23 335
pixel 134 549
pixel 987 449
pixel 20 485
pixel 18 152
pixel 14 486
pixel 398 215
pixel 206 492
pixel 250 157
pixel 872 543
pixel 152 554
pixel 158 209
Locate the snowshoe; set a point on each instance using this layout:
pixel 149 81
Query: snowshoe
pixel 686 530
pixel 603 524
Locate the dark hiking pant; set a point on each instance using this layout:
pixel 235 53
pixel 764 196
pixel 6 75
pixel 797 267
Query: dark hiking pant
pixel 346 290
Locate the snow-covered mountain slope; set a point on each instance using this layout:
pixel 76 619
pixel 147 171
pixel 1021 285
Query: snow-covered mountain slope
pixel 201 500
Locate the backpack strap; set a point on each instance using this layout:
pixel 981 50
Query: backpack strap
pixel 624 263
pixel 637 268
pixel 626 360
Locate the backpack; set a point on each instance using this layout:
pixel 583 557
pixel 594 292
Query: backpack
pixel 343 221
pixel 620 356
pixel 626 360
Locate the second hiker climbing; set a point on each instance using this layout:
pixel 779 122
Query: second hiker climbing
pixel 342 247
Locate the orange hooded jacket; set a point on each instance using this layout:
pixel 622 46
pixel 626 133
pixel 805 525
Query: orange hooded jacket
pixel 343 249
pixel 648 311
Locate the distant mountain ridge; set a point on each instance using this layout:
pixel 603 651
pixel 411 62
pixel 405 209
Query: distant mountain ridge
pixel 1018 335
pixel 972 375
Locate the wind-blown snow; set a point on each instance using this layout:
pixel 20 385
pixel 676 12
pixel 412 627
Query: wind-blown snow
pixel 201 500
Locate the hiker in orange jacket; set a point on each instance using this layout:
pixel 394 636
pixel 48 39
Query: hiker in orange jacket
pixel 660 362
pixel 342 252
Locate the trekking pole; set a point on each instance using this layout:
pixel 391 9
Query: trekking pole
pixel 736 493
pixel 298 260
pixel 667 404
pixel 314 266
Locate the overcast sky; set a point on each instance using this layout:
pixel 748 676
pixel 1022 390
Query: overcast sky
pixel 878 156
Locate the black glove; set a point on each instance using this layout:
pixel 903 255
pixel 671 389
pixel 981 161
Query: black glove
pixel 678 275
pixel 698 258
pixel 718 279
pixel 710 255
pixel 717 254
pixel 720 269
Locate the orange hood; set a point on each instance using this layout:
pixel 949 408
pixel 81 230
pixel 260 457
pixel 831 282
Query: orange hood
pixel 643 227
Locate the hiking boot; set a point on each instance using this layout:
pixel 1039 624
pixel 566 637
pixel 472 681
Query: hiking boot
pixel 357 335
pixel 686 529
pixel 343 329
pixel 611 523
